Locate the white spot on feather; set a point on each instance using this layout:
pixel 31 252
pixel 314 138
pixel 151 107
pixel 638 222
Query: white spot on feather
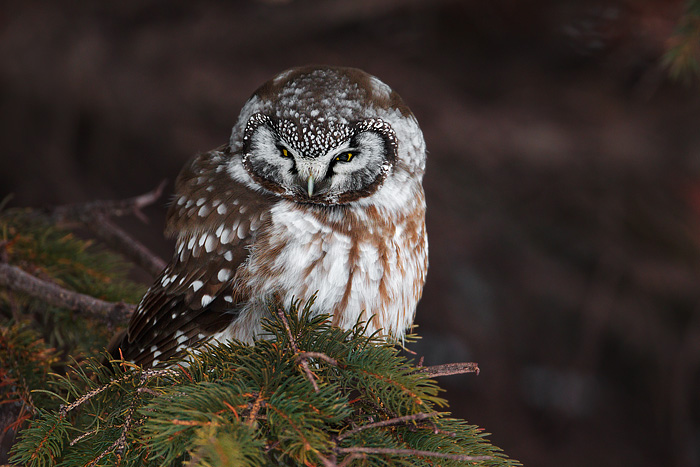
pixel 224 275
pixel 210 244
pixel 196 285
pixel 225 236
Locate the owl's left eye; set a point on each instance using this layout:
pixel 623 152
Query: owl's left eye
pixel 284 152
pixel 344 157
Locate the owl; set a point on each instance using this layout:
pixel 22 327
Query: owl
pixel 317 192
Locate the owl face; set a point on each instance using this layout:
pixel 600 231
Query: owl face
pixel 348 161
pixel 321 135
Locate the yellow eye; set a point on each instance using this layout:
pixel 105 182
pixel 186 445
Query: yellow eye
pixel 344 157
pixel 285 153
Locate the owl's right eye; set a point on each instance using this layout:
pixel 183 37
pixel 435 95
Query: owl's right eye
pixel 284 152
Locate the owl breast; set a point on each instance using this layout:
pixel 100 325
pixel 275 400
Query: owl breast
pixel 359 266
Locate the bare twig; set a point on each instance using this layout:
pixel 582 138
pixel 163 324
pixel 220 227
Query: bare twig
pixel 120 443
pixel 303 361
pixel 121 241
pixel 95 216
pixel 145 377
pixel 83 436
pixel 259 401
pixel 411 452
pixel 309 374
pixel 318 355
pixel 17 280
pixel 292 342
pixel 449 369
pixel 85 212
pixel 350 458
pixel 152 373
pixel 391 421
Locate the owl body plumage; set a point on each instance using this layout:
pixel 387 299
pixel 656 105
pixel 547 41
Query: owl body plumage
pixel 318 192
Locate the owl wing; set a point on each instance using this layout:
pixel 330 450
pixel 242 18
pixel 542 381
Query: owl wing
pixel 215 219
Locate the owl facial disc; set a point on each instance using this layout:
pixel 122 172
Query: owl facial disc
pixel 323 162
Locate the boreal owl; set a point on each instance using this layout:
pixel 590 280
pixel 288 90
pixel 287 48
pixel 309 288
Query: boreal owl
pixel 317 192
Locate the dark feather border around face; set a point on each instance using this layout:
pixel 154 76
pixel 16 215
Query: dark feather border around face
pixel 376 125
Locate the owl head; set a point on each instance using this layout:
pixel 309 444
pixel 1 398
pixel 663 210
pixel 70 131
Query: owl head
pixel 327 136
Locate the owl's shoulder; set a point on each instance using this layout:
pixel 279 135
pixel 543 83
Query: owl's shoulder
pixel 208 196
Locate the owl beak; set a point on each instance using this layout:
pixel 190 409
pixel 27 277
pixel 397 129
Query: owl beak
pixel 310 185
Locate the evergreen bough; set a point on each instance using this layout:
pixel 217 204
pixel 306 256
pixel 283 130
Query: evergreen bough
pixel 249 405
pixel 307 393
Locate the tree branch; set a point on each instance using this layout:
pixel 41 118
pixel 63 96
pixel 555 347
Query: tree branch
pixel 119 240
pixel 17 280
pixel 448 369
pixel 303 361
pixel 319 355
pixel 411 452
pixel 85 212
pixel 391 421
pixel 95 216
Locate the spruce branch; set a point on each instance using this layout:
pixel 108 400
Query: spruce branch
pixel 17 280
pixel 96 215
pixel 237 404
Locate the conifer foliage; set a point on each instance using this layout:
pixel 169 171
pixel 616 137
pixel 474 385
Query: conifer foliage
pixel 237 404
pixel 307 393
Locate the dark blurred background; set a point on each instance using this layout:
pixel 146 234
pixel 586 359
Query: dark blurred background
pixel 563 181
